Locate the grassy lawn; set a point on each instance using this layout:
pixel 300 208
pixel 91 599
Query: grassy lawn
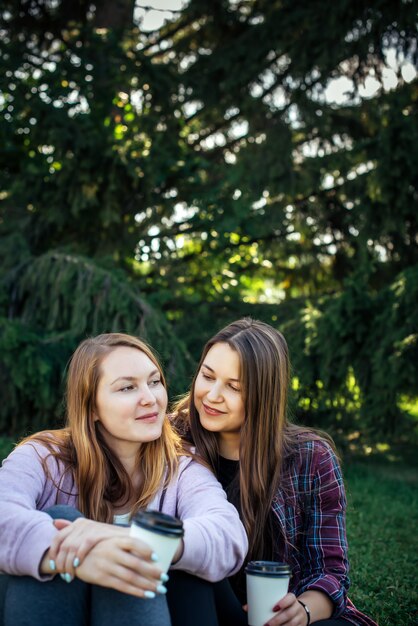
pixel 382 526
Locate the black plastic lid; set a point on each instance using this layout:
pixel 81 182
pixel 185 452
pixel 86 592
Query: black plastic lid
pixel 273 569
pixel 159 523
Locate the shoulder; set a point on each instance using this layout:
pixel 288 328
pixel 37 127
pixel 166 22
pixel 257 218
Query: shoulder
pixel 193 465
pixel 306 446
pixel 193 473
pixel 30 471
pixel 311 459
pixel 193 487
pixel 34 456
pixel 184 462
pixel 29 451
pixel 315 449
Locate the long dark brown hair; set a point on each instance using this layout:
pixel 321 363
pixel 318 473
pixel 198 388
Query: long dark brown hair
pixel 267 438
pixel 99 476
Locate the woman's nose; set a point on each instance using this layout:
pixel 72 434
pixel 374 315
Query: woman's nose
pixel 214 394
pixel 146 396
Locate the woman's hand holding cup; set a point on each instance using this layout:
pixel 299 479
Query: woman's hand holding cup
pixel 125 564
pixel 267 586
pixel 74 541
pixel 289 612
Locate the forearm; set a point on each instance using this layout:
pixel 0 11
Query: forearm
pixel 319 604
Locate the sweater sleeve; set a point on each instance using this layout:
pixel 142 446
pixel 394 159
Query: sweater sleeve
pixel 325 563
pixel 215 542
pixel 26 533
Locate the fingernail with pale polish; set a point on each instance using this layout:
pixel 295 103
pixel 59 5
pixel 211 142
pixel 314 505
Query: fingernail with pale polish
pixel 161 589
pixel 164 577
pixel 154 557
pixel 149 594
pixel 76 562
pixel 52 565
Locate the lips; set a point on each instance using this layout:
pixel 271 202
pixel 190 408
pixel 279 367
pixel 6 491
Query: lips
pixel 210 411
pixel 149 417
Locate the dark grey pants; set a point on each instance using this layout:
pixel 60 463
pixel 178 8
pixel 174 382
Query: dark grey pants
pixel 25 601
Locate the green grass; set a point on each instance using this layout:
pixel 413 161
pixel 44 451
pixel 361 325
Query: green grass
pixel 382 528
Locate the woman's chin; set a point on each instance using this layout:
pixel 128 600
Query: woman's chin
pixel 210 424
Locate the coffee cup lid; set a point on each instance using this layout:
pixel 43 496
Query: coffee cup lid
pixel 275 569
pixel 160 523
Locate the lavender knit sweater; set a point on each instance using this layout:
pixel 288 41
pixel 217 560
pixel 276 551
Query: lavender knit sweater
pixel 215 542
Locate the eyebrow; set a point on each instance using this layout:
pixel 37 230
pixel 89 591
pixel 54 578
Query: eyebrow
pixel 133 378
pixel 236 380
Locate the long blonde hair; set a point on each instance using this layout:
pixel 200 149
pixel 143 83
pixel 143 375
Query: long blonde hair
pixel 98 474
pixel 267 438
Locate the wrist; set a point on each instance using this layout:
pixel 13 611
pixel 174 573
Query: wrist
pixel 307 611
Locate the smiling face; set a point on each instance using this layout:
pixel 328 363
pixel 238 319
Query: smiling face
pixel 131 400
pixel 217 392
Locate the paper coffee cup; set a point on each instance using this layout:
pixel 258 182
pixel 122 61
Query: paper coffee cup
pixel 161 532
pixel 267 583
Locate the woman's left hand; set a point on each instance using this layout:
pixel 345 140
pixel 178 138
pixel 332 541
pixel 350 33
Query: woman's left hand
pixel 75 539
pixel 289 612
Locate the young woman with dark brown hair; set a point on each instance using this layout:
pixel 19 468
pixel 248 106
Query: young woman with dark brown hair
pixel 118 453
pixel 285 480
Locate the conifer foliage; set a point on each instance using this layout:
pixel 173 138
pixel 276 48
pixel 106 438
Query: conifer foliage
pixel 164 182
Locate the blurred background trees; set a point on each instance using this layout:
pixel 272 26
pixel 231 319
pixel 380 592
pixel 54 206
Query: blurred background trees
pixel 167 181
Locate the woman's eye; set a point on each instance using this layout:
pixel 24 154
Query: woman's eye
pixel 126 388
pixel 235 388
pixel 155 382
pixel 206 376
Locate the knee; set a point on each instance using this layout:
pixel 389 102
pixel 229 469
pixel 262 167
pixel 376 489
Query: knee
pixel 64 511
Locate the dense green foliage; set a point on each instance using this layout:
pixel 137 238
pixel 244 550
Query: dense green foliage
pixel 166 182
pixel 6 446
pixel 54 301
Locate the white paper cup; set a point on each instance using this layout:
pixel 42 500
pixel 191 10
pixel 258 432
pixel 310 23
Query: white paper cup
pixel 161 532
pixel 267 583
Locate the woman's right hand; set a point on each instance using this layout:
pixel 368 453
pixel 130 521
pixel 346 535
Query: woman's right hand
pixel 75 540
pixel 122 563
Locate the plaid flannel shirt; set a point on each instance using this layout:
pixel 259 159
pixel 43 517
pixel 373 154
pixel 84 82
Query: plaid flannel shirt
pixel 310 509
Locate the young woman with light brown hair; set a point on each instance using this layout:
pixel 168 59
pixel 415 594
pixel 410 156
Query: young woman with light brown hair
pixel 118 453
pixel 284 479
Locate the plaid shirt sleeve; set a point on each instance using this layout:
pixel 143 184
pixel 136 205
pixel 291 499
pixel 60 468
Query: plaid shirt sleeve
pixel 324 552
